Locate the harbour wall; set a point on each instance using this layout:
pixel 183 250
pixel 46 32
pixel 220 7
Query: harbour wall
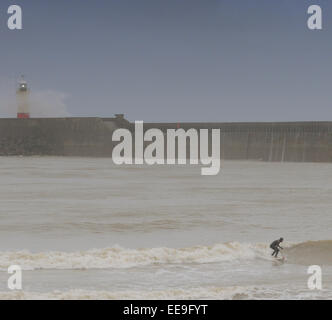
pixel 280 141
pixel 268 141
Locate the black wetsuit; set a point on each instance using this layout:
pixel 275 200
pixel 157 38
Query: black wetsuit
pixel 275 245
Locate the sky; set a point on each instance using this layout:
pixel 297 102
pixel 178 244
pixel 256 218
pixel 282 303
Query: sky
pixel 171 60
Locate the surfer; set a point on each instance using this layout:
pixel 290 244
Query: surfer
pixel 275 245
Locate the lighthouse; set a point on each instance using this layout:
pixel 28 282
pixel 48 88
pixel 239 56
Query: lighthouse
pixel 22 100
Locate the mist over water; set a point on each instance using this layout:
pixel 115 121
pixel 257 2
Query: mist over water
pixel 42 104
pixel 85 228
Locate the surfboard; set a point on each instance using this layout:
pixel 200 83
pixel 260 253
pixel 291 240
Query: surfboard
pixel 281 259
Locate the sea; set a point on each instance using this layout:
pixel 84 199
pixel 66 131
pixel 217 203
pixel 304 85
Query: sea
pixel 85 228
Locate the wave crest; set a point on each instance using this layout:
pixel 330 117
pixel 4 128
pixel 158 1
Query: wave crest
pixel 305 253
pixel 118 257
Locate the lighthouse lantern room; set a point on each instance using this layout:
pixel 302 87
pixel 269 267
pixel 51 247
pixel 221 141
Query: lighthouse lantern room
pixel 22 99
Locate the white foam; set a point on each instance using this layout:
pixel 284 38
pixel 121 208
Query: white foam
pixel 78 294
pixel 198 293
pixel 118 257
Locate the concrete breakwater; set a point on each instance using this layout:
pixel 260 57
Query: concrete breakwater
pixel 292 141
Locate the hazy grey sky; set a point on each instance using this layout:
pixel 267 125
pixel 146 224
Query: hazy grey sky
pixel 175 60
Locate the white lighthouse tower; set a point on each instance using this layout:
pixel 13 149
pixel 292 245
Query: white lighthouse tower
pixel 22 99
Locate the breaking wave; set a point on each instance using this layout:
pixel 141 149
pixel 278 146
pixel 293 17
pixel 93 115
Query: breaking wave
pixel 118 257
pixel 198 293
pixel 311 252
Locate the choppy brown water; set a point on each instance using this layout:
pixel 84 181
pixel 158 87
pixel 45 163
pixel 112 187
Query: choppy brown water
pixel 84 228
